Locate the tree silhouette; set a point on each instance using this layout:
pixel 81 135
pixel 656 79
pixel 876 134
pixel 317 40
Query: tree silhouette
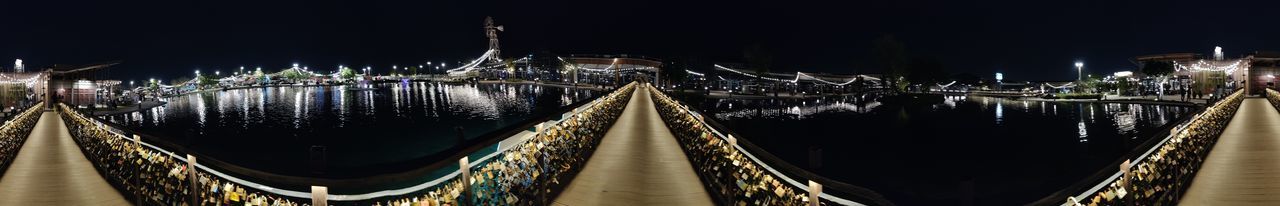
pixel 889 55
pixel 926 71
pixel 1160 70
pixel 759 60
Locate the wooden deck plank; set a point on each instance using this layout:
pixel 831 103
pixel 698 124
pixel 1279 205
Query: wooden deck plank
pixel 1244 166
pixel 638 162
pixel 51 170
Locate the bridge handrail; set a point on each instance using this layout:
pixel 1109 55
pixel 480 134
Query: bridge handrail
pixel 1273 96
pixel 448 186
pixel 1112 189
pixel 361 180
pixel 14 133
pixel 833 191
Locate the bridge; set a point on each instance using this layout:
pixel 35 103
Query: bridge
pixel 634 145
pixel 1224 155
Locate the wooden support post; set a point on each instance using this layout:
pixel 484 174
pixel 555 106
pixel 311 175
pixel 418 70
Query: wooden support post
pixel 815 190
pixel 464 165
pixel 191 175
pixel 319 195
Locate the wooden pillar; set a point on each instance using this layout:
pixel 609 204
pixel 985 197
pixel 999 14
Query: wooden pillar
pixel 319 195
pixel 191 176
pixel 815 191
pixel 464 165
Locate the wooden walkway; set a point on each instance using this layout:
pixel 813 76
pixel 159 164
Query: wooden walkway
pixel 638 162
pixel 1244 166
pixel 51 170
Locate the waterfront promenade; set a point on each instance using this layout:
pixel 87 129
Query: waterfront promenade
pixel 638 162
pixel 1244 166
pixel 51 170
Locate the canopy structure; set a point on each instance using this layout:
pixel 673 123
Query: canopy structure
pixel 609 64
pixel 817 78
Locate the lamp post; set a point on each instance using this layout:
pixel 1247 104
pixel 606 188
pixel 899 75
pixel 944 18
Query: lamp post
pixel 1080 72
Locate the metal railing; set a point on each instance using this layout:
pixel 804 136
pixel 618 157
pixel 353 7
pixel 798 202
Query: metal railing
pixel 207 184
pixel 14 133
pixel 1151 176
pixel 779 180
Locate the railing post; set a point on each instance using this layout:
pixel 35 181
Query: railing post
pixel 1124 169
pixel 191 175
pixel 815 190
pixel 464 165
pixel 137 180
pixel 319 195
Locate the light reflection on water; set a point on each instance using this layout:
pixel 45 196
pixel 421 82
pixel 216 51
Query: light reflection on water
pixel 272 128
pixel 919 150
pixel 1124 117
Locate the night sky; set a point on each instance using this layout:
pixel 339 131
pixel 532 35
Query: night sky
pixel 1027 40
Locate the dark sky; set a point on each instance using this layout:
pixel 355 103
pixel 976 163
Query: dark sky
pixel 1027 40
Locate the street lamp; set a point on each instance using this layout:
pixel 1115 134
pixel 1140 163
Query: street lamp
pixel 1079 71
pixel 217 72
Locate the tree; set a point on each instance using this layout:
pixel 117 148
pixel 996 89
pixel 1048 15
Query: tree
pixel 889 54
pixel 346 73
pixel 926 71
pixel 1160 70
pixel 511 66
pixel 206 80
pixel 569 65
pixel 674 72
pixel 758 61
pixel 294 74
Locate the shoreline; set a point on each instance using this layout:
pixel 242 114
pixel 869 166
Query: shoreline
pixel 128 109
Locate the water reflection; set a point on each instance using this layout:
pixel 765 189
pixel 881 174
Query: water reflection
pixel 395 122
pixel 898 146
pixel 1123 118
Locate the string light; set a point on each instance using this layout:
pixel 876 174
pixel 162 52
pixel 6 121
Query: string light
pixel 470 66
pixel 798 77
pixel 695 73
pixel 1203 65
pixel 1063 86
pixel 945 86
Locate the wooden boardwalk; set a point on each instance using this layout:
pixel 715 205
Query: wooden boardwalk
pixel 638 162
pixel 1244 166
pixel 51 170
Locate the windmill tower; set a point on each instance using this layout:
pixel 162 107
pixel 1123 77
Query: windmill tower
pixel 491 30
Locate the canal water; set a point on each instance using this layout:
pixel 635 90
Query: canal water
pixel 950 150
pixel 284 130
